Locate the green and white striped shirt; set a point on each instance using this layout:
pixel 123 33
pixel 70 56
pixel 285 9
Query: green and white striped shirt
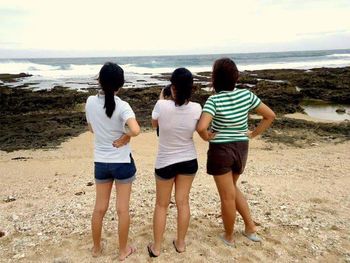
pixel 230 114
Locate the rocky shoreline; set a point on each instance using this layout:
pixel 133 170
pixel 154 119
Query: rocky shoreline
pixel 44 119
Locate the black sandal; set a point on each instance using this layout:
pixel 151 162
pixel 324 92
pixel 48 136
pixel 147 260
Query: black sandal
pixel 178 251
pixel 150 252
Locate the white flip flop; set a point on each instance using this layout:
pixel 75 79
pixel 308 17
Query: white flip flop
pixel 252 236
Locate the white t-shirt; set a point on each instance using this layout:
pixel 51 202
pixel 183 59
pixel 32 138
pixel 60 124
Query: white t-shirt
pixel 107 129
pixel 176 127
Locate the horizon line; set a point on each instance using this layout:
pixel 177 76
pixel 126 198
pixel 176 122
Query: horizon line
pixel 161 55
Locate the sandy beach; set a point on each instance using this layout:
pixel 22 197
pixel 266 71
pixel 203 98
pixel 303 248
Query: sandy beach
pixel 298 196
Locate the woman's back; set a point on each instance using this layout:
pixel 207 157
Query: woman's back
pixel 107 129
pixel 230 114
pixel 176 127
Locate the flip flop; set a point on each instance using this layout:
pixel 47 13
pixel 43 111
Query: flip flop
pixel 178 251
pixel 150 252
pixel 132 250
pixel 252 236
pixel 229 244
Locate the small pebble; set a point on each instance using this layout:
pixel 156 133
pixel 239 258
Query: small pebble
pixel 9 199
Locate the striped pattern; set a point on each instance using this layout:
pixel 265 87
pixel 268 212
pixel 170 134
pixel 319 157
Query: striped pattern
pixel 230 114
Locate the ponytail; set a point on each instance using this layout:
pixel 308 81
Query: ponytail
pixel 109 103
pixel 111 79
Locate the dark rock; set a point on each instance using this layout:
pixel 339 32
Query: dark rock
pixel 2 233
pixel 340 110
pixel 13 77
pixel 44 119
pixel 281 97
pixel 90 184
pixel 334 227
pixel 302 133
pixel 21 158
pixel 328 84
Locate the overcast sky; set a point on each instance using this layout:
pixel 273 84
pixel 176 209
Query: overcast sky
pixel 39 28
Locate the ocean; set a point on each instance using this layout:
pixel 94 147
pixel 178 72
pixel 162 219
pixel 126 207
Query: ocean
pixel 81 73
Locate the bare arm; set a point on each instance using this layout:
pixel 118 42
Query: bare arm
pixel 134 128
pixel 154 124
pixel 268 117
pixel 121 141
pixel 203 125
pixel 90 127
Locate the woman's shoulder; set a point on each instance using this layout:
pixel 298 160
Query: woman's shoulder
pixel 195 105
pixel 91 98
pixel 241 90
pixel 235 92
pixel 120 101
pixel 166 103
pixel 247 93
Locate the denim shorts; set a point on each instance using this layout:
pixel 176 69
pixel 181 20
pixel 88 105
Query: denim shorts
pixel 119 172
pixel 184 168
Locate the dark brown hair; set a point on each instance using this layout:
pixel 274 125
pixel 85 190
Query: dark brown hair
pixel 225 75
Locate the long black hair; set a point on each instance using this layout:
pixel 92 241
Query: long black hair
pixel 182 80
pixel 111 79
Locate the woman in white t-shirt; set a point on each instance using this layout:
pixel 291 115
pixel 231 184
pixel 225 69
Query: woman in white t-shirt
pixel 107 116
pixel 176 162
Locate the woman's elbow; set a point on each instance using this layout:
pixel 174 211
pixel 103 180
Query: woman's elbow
pixel 271 116
pixel 201 128
pixel 135 131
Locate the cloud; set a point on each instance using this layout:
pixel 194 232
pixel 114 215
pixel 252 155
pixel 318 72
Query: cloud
pixel 139 26
pixel 323 33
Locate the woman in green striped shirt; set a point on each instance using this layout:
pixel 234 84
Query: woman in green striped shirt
pixel 226 114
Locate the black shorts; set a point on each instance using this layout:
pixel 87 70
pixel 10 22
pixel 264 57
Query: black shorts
pixel 226 157
pixel 183 168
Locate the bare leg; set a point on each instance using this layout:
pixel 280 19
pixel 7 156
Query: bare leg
pixel 183 185
pixel 227 192
pixel 163 189
pixel 103 192
pixel 243 208
pixel 123 199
